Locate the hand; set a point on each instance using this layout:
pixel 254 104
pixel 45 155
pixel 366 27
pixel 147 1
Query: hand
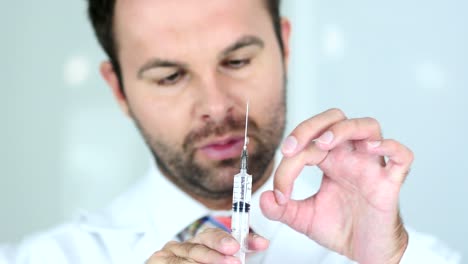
pixel 210 246
pixel 355 212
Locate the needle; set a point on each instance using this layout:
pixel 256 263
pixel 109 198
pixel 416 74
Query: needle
pixel 246 123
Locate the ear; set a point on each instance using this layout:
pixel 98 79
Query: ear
pixel 108 73
pixel 285 37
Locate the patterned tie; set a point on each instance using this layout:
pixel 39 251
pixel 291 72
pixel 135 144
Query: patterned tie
pixel 223 222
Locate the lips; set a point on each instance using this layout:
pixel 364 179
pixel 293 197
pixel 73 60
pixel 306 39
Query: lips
pixel 223 148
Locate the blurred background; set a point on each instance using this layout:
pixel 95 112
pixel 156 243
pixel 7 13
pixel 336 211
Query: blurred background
pixel 66 147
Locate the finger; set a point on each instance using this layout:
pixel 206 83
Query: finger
pixel 290 167
pixel 158 255
pixel 350 129
pixel 197 253
pixel 218 240
pixel 270 207
pixel 399 156
pixel 292 213
pixel 162 257
pixel 257 243
pixel 310 129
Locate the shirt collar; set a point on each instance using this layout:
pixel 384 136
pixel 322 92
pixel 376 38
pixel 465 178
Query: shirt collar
pixel 174 209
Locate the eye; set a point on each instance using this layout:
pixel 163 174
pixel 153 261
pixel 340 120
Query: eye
pixel 236 64
pixel 172 79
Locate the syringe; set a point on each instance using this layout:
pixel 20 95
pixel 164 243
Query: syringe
pixel 242 192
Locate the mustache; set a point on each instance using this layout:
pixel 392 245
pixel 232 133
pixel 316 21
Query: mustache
pixel 211 128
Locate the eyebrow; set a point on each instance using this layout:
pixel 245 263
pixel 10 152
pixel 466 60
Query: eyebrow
pixel 155 63
pixel 243 42
pixel 239 44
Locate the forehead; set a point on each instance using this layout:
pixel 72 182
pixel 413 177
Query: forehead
pixel 170 21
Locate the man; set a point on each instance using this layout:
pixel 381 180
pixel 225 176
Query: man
pixel 183 71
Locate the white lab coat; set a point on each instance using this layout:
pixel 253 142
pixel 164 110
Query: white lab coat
pixel 149 215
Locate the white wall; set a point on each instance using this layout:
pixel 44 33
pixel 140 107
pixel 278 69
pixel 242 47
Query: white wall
pixel 406 64
pixel 66 146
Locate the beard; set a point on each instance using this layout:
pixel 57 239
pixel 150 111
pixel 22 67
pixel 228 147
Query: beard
pixel 215 179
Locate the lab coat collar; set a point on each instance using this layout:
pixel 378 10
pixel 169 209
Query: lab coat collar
pixel 156 206
pixel 153 204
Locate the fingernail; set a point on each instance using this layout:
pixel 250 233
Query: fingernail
pixel 257 236
pixel 289 145
pixel 227 240
pixel 326 138
pixel 374 144
pixel 280 198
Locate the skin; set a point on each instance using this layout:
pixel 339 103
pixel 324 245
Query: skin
pixel 355 212
pixel 204 91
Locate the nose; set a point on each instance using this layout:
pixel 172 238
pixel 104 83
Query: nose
pixel 214 100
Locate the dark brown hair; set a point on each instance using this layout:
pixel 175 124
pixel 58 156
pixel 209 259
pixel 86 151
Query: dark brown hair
pixel 101 14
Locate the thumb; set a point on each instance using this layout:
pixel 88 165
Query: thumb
pixel 297 214
pixel 270 207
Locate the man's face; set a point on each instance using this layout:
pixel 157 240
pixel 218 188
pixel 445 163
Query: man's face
pixel 188 68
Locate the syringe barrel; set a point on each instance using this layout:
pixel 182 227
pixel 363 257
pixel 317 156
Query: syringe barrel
pixel 240 224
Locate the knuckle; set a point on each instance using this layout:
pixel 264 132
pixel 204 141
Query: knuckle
pixel 405 153
pixel 345 126
pixel 337 112
pixel 333 114
pixel 170 244
pixel 176 260
pixel 305 125
pixel 210 230
pixel 304 157
pixel 158 256
pixel 371 122
pixel 349 124
pixel 392 143
pixel 189 247
pixel 303 129
pixel 192 248
pixel 410 155
pixel 208 236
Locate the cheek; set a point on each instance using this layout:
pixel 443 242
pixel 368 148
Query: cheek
pixel 162 120
pixel 267 104
pixel 269 88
